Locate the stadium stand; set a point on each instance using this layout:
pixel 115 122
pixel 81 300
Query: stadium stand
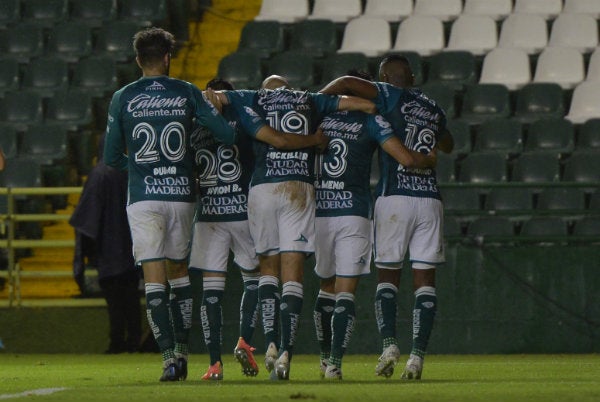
pixel 264 38
pixel 474 33
pixel 368 35
pixel 485 101
pixel 143 12
pixel 589 135
pixel 506 66
pixel 46 75
pixel 319 38
pixel 338 64
pixel 539 100
pixel 298 67
pixel 70 40
pixel 22 41
pixel 46 143
pixel 339 11
pixel 284 11
pixel 579 31
pixel 454 68
pixel 10 78
pixel 445 10
pixel 528 32
pixel 483 167
pixel 547 9
pixel 554 134
pixel 496 9
pixel 568 200
pixel 444 96
pixel 561 65
pixel 93 13
pixel 10 13
pixel 242 69
pixel 585 103
pixel 390 10
pixel 21 108
pixel 499 135
pixel 96 75
pixel 421 34
pixel 510 200
pixel 589 7
pixel 44 13
pixel 536 167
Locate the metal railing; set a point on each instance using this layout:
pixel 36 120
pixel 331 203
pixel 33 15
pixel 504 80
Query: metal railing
pixel 8 223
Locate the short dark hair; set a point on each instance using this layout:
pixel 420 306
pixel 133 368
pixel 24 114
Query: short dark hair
pixel 219 84
pixel 152 44
pixel 396 58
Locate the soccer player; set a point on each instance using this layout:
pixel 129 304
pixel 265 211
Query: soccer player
pixel 408 210
pixel 343 222
pixel 281 203
pixel 149 124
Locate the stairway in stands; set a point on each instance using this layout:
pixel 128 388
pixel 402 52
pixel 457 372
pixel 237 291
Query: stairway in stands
pixel 213 38
pixel 210 39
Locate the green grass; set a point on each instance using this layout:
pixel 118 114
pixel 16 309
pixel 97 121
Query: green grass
pixel 461 378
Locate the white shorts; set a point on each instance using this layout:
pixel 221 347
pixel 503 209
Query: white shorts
pixel 282 217
pixel 161 229
pixel 343 246
pixel 410 224
pixel 212 241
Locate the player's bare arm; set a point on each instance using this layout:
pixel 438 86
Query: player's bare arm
pixel 355 103
pixel 348 85
pixel 446 142
pixel 407 157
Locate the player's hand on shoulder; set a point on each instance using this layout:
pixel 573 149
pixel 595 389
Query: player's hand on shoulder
pixel 213 98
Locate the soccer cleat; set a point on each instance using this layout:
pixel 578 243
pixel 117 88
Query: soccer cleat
pixel 182 368
pixel 170 373
pixel 271 357
pixel 388 359
pixel 282 367
pixel 333 372
pixel 322 367
pixel 214 372
pixel 413 369
pixel 243 354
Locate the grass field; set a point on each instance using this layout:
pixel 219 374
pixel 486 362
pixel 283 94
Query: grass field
pixel 490 378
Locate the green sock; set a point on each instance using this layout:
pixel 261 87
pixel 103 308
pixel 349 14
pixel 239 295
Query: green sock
pixel 385 312
pixel 291 307
pixel 157 312
pixel 342 325
pixel 322 317
pixel 268 295
pixel 211 315
pixel 423 317
pixel 249 305
pixel 180 304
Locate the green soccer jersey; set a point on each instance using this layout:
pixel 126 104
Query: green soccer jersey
pixel 149 124
pixel 288 111
pixel 342 185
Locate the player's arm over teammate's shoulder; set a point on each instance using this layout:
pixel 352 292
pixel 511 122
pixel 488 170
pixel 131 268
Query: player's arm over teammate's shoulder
pixel 209 115
pixel 260 130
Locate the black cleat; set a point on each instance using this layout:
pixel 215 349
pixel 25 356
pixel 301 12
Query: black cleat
pixel 182 368
pixel 170 373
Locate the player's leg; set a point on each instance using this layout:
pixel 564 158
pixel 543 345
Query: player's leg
pixel 178 228
pixel 269 299
pixel 426 252
pixel 211 317
pixel 322 314
pixel 393 222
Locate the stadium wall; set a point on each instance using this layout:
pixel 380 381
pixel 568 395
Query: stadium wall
pixel 492 299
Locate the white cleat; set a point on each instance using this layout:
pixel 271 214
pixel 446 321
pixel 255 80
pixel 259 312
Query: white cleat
pixel 322 368
pixel 271 357
pixel 387 361
pixel 333 372
pixel 282 367
pixel 413 369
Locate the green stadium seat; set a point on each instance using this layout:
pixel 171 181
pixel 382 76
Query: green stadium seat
pixel 241 69
pixel 499 135
pixel 70 40
pixel 22 41
pixel 21 172
pixel 595 201
pixel 93 13
pixel 589 135
pixel 316 37
pixel 443 95
pixel 9 75
pixel 511 200
pixel 446 168
pixel 96 75
pixel 10 12
pixel 536 167
pixel 483 167
pixel 461 200
pixel 46 143
pixel 71 109
pixel 45 13
pixel 263 38
pixel 46 75
pixel 21 108
pixel 484 102
pixel 551 134
pixel 490 226
pixel 9 140
pixel 453 68
pixel 561 199
pixel 544 226
pixel 452 227
pixel 461 133
pixel 297 67
pixel 143 12
pixel 115 39
pixel 582 166
pixel 338 64
pixel 539 100
pixel 587 226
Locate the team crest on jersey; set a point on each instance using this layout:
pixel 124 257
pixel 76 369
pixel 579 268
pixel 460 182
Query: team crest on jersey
pixel 155 86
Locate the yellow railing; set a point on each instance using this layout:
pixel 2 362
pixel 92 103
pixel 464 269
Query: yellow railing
pixel 8 222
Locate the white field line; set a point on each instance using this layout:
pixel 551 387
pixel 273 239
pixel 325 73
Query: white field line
pixel 41 391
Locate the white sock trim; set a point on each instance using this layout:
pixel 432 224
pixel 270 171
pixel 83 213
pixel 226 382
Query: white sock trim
pixel 293 289
pixel 387 285
pixel 180 282
pixel 268 280
pixel 213 283
pixel 154 287
pixel 344 296
pixel 425 290
pixel 326 295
